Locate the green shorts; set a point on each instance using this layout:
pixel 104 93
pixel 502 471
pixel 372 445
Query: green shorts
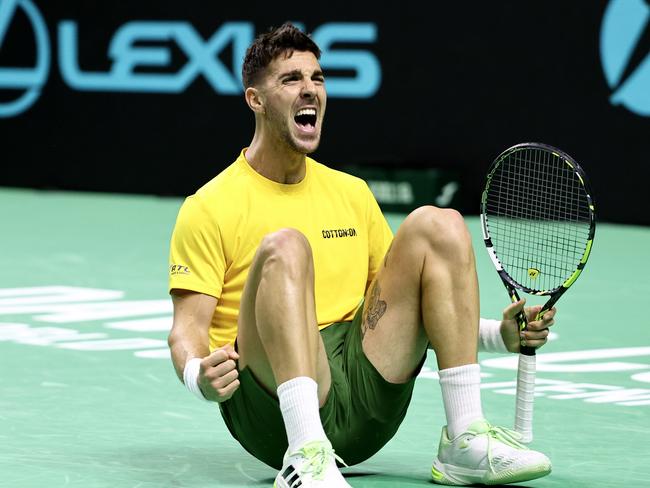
pixel 361 414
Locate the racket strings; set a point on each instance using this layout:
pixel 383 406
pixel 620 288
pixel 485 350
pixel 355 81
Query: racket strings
pixel 538 215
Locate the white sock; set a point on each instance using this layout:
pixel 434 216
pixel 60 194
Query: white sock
pixel 461 395
pixel 299 405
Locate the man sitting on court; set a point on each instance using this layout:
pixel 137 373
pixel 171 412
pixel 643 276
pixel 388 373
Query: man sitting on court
pixel 270 264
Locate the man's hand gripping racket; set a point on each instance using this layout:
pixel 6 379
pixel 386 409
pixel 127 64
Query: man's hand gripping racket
pixel 538 224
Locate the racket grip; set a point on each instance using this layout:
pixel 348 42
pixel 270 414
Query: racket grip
pixel 525 396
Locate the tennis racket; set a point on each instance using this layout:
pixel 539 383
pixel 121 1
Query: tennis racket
pixel 538 224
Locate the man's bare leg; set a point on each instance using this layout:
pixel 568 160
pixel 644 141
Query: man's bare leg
pixel 278 336
pixel 279 340
pixel 427 292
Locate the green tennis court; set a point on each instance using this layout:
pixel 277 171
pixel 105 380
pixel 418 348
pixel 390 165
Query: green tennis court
pixel 88 396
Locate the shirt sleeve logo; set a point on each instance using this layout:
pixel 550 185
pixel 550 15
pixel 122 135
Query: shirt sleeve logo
pixel 178 269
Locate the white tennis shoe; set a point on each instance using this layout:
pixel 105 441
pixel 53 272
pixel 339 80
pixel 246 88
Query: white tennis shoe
pixel 311 466
pixel 488 455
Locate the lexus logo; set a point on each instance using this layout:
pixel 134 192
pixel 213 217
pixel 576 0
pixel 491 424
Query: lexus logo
pixel 625 53
pixel 28 80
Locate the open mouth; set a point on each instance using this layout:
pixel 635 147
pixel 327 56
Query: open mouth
pixel 305 118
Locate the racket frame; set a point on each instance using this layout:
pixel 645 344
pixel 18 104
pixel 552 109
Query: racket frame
pixel 527 364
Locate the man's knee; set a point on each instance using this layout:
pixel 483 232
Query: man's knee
pixel 443 229
pixel 287 250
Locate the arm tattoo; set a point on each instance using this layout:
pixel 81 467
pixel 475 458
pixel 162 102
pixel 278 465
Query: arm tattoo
pixel 374 311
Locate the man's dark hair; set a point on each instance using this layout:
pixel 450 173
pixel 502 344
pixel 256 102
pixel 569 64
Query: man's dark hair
pixel 278 41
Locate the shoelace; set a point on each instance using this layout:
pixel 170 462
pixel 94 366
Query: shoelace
pixel 506 436
pixel 318 456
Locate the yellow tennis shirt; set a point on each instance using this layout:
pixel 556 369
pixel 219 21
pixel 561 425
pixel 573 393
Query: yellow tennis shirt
pixel 220 227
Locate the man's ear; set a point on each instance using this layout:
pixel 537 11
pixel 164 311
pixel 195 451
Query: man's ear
pixel 255 100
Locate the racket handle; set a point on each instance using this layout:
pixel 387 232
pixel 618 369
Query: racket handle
pixel 525 396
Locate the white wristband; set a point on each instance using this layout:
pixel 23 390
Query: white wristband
pixel 191 377
pixel 489 336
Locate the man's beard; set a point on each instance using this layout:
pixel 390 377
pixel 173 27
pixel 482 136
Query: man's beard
pixel 296 145
pixel 283 133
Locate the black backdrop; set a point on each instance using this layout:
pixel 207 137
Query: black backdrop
pixel 460 82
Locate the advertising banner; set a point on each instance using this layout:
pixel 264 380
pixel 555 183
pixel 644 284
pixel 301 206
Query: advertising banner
pixel 146 97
